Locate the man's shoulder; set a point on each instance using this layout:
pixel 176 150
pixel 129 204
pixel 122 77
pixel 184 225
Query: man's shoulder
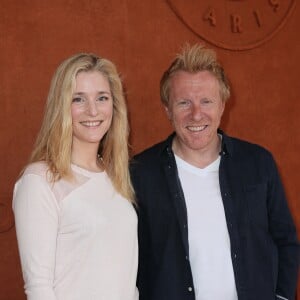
pixel 241 145
pixel 240 148
pixel 153 152
pixel 150 160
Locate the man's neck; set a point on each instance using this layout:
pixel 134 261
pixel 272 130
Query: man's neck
pixel 200 158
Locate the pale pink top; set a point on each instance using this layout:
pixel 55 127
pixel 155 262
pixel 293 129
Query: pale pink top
pixel 77 240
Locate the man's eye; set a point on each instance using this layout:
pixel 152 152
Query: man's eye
pixel 205 101
pixel 183 102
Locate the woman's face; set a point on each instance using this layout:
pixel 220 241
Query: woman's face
pixel 91 109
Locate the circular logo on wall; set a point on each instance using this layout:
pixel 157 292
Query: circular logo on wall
pixel 234 24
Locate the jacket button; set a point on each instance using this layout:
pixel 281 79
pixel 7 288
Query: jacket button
pixel 190 289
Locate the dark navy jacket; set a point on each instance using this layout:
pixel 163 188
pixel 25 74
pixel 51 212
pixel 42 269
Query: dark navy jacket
pixel 264 247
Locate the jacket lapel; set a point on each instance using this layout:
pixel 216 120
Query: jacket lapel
pixel 171 173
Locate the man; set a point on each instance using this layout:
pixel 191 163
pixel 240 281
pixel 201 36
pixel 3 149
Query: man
pixel 213 219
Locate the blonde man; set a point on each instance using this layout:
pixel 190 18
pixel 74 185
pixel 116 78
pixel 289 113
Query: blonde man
pixel 213 219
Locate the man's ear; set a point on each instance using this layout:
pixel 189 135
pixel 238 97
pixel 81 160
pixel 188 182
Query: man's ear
pixel 223 108
pixel 169 114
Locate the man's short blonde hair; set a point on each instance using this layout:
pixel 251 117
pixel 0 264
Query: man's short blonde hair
pixel 195 59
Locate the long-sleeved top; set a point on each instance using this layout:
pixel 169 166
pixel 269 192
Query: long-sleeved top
pixel 264 246
pixel 77 239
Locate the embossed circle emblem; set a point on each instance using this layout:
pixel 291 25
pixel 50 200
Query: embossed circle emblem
pixel 234 24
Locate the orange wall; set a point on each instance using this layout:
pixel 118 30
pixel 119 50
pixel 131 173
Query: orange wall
pixel 141 37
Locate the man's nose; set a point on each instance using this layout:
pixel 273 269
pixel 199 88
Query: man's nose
pixel 196 112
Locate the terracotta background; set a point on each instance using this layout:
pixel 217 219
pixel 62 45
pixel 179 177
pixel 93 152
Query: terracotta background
pixel 141 37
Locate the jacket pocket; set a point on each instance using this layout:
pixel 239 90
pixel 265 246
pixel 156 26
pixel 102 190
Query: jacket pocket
pixel 256 201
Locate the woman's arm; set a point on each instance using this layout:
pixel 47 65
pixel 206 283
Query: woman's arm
pixel 36 219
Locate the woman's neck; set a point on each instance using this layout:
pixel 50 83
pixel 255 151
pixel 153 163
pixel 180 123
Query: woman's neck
pixel 87 159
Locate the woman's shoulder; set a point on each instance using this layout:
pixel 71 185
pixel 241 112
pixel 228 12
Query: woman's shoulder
pixel 39 168
pixel 34 187
pixel 33 174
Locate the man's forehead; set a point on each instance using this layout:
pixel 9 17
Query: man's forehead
pixel 195 79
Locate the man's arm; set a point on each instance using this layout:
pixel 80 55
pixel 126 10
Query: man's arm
pixel 284 234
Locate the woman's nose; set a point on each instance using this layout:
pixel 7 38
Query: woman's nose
pixel 92 108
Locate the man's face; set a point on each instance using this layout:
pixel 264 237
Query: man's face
pixel 195 109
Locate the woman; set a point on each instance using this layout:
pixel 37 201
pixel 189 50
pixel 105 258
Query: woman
pixel 75 222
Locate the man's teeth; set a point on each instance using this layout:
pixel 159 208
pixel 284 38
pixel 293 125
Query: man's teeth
pixel 91 123
pixel 196 128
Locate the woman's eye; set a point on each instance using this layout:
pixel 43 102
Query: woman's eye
pixel 77 99
pixel 103 98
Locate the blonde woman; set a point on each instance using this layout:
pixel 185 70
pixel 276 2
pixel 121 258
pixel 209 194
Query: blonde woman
pixel 73 204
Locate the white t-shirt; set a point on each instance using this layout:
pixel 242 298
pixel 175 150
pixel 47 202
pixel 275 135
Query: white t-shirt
pixel 209 244
pixel 77 241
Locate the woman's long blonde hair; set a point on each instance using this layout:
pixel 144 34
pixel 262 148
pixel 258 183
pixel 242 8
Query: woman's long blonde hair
pixel 54 141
